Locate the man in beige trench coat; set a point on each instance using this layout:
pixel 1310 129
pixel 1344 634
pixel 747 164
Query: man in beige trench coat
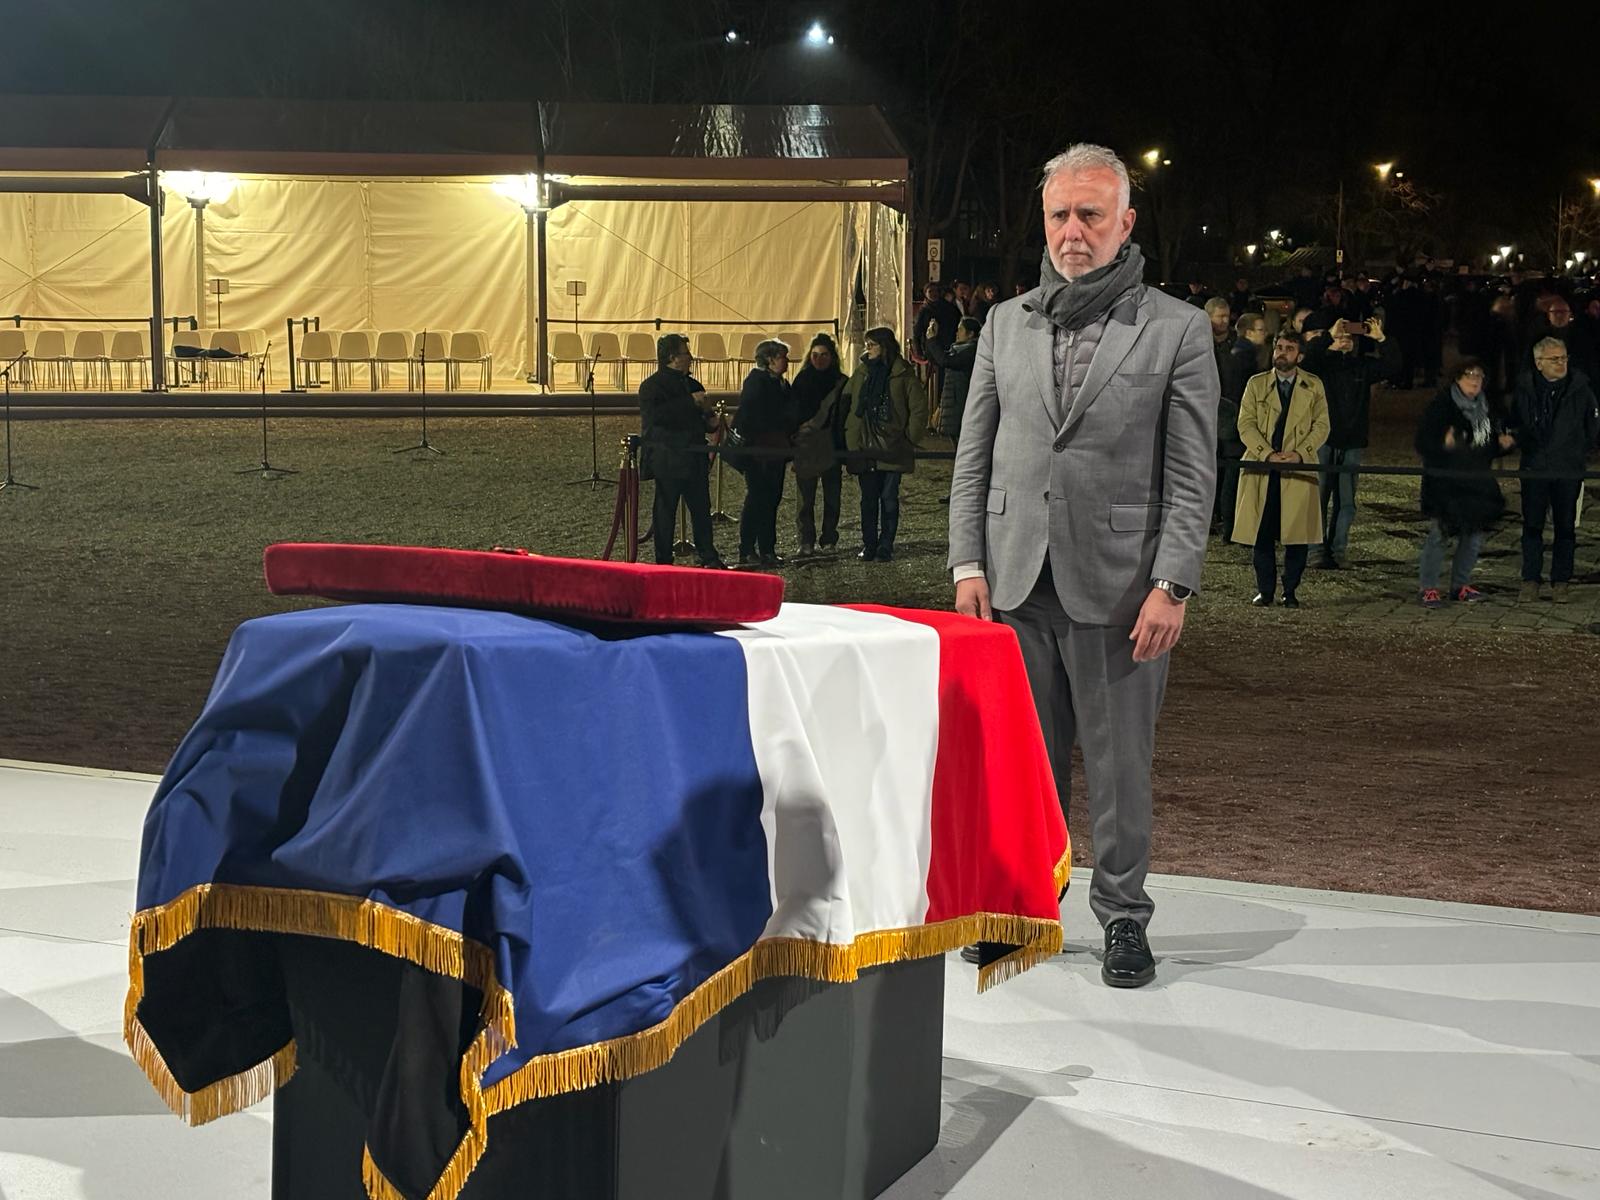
pixel 1283 418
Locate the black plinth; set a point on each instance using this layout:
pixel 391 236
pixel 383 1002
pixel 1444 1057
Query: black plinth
pixel 799 1090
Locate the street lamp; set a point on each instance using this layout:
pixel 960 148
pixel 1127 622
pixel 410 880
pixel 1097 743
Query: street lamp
pixel 1383 170
pixel 1579 256
pixel 1505 252
pixel 1275 235
pixel 1152 159
pixel 818 36
pixel 1250 250
pixel 731 37
pixel 200 188
pixel 1595 184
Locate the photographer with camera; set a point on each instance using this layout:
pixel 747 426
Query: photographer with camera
pixel 1348 373
pixel 674 421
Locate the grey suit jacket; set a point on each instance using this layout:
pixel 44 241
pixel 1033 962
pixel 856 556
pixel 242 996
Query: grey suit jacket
pixel 1121 492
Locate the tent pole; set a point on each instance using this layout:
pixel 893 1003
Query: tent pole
pixel 158 315
pixel 542 222
pixel 530 235
pixel 200 261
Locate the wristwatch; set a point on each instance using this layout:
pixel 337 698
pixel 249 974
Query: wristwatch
pixel 1176 590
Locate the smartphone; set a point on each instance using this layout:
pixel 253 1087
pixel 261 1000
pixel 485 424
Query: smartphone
pixel 1356 328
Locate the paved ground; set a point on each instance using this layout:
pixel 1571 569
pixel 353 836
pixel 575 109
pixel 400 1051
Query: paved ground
pixel 1297 1045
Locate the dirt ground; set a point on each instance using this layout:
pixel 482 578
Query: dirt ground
pixel 1303 749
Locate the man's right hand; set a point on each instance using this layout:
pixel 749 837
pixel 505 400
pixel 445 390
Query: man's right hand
pixel 972 599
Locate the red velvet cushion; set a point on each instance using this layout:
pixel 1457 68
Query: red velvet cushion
pixel 563 588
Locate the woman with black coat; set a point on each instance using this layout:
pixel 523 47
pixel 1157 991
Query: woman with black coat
pixel 766 421
pixel 1461 430
pixel 818 441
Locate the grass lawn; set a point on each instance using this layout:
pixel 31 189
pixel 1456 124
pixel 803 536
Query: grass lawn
pixel 1351 744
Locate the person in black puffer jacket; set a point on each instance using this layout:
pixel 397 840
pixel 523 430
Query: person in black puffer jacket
pixel 765 420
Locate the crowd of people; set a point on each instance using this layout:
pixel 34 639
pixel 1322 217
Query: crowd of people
pixel 1298 364
pixel 1523 385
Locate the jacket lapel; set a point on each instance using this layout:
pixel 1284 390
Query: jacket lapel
pixel 1041 335
pixel 1115 343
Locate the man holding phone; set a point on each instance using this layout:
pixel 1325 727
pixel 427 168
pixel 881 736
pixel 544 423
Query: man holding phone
pixel 1347 372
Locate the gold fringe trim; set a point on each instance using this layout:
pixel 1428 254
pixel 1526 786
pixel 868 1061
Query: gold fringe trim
pixel 445 952
pixel 625 1057
pixel 225 1096
pixel 321 914
pixel 1064 868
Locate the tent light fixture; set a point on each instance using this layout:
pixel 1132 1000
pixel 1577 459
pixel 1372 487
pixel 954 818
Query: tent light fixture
pixel 200 188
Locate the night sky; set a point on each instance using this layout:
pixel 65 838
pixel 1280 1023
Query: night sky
pixel 1264 110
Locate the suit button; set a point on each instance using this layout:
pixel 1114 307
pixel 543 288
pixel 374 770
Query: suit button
pixel 1060 446
pixel 1047 496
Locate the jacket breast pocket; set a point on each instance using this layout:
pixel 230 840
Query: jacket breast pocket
pixel 1136 518
pixel 997 500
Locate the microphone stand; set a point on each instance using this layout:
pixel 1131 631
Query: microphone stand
pixel 11 481
pixel 594 479
pixel 266 468
pixel 422 363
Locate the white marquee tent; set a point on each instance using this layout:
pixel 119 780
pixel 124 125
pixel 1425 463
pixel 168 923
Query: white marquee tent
pixel 378 216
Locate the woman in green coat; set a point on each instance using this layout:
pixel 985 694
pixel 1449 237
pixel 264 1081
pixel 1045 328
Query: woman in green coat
pixel 887 413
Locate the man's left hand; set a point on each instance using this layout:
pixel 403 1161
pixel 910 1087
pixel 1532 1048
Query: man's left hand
pixel 1159 625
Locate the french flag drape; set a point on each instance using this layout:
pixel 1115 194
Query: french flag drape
pixel 610 836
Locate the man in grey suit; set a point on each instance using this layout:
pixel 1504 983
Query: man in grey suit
pixel 1079 511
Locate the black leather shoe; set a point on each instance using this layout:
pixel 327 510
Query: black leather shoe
pixel 981 954
pixel 866 555
pixel 1291 602
pixel 771 560
pixel 1262 601
pixel 1128 962
pixel 713 564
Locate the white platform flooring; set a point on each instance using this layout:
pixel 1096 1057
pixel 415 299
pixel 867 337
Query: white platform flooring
pixel 1296 1044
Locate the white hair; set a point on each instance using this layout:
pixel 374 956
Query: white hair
pixel 1086 156
pixel 1543 345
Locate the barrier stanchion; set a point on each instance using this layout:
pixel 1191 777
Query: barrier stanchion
pixel 625 514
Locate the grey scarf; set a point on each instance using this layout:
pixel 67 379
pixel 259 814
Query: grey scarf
pixel 1073 304
pixel 1476 410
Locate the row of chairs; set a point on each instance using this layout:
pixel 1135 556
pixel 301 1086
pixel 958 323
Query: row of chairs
pixel 711 351
pixel 55 357
pixel 341 352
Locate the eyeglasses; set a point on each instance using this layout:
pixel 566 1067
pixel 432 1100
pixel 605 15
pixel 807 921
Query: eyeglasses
pixel 1554 358
pixel 1472 374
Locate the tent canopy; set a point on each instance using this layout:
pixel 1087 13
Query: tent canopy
pixel 370 138
pixel 383 215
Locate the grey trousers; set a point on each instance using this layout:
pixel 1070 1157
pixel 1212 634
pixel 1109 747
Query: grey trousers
pixel 1088 689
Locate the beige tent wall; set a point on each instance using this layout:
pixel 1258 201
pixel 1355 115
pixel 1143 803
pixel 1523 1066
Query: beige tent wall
pixel 696 264
pixel 72 257
pixel 447 254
